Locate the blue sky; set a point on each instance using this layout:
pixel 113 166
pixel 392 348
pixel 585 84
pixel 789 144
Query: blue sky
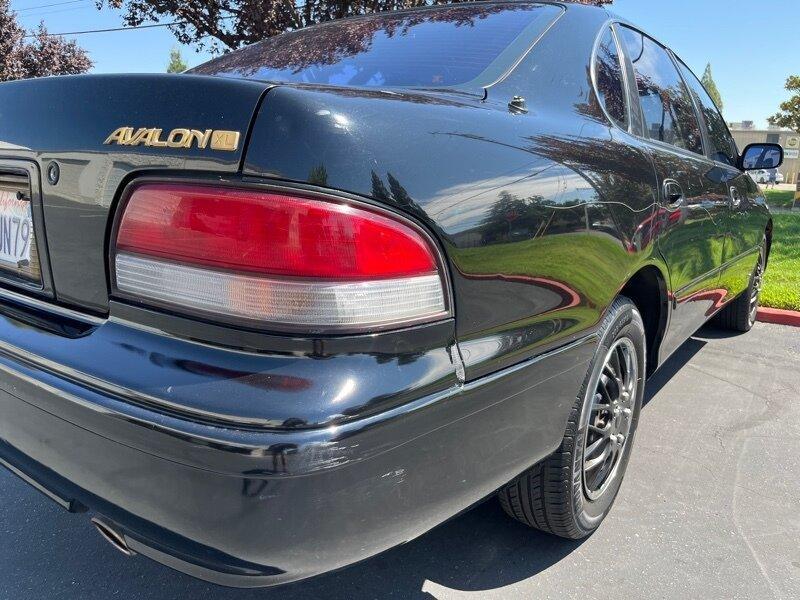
pixel 752 51
pixel 143 50
pixel 752 46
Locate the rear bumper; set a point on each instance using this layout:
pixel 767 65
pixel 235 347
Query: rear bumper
pixel 248 507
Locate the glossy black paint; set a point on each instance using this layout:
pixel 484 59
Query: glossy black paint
pixel 470 168
pixel 250 457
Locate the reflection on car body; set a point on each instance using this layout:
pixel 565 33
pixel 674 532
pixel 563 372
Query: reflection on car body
pixel 442 257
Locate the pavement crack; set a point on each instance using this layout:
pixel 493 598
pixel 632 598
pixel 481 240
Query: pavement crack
pixel 776 591
pixel 728 381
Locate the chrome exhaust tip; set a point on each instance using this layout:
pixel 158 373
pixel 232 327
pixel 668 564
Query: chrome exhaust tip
pixel 111 535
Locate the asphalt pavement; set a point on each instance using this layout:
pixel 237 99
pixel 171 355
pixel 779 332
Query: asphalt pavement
pixel 710 509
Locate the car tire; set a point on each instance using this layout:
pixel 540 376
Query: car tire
pixel 740 314
pixel 570 493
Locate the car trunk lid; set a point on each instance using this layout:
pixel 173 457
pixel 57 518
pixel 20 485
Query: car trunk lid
pixel 74 142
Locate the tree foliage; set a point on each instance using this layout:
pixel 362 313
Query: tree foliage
pixel 176 62
pixel 789 115
pixel 711 87
pixel 222 25
pixel 37 55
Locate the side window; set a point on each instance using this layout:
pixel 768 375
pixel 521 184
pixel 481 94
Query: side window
pixel 608 76
pixel 667 108
pixel 722 145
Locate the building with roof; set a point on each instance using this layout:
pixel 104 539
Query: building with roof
pixel 746 133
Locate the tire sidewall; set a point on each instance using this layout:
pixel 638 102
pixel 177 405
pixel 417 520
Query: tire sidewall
pixel 623 321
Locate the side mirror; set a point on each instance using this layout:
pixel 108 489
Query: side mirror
pixel 761 156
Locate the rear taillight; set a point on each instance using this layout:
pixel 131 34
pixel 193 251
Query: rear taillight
pixel 277 258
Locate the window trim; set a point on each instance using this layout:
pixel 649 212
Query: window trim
pixel 643 135
pixel 698 113
pixel 709 153
pixel 609 26
pixel 636 127
pixel 512 50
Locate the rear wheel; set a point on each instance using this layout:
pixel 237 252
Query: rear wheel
pixel 570 492
pixel 741 314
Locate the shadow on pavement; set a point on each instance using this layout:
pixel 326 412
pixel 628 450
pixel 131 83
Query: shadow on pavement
pixel 483 549
pixel 674 364
pixel 710 332
pixel 480 550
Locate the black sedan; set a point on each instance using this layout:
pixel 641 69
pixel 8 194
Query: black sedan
pixel 309 300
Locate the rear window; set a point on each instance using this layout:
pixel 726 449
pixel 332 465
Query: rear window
pixel 667 108
pixel 437 47
pixel 608 75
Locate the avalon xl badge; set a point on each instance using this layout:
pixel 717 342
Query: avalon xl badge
pixel 177 138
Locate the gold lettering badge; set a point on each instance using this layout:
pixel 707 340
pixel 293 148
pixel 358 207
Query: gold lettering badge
pixel 225 140
pixel 154 137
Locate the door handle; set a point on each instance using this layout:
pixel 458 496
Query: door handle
pixel 673 194
pixel 736 198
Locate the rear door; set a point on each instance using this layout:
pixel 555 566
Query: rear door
pixel 693 205
pixel 743 229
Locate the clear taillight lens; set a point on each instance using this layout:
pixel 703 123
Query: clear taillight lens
pixel 275 258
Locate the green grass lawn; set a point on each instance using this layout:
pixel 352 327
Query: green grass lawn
pixel 782 279
pixel 780 198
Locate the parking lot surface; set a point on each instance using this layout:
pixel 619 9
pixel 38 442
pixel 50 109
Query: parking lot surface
pixel 710 508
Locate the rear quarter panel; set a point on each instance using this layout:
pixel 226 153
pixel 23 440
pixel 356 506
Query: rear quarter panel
pixel 543 216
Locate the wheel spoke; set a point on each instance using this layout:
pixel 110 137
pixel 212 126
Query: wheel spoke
pixel 602 388
pixel 607 382
pixel 615 366
pixel 630 382
pixel 596 445
pixel 614 362
pixel 601 404
pixel 608 464
pixel 593 463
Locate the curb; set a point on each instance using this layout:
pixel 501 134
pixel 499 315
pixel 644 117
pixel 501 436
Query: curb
pixel 779 317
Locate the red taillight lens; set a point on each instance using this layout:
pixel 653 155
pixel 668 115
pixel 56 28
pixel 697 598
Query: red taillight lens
pixel 270 233
pixel 275 257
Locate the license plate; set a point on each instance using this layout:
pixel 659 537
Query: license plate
pixel 17 248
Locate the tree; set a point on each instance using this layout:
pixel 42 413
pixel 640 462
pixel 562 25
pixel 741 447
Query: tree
pixel 789 115
pixel 711 87
pixel 11 40
pixel 53 55
pixel 222 25
pixel 43 55
pixel 176 63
